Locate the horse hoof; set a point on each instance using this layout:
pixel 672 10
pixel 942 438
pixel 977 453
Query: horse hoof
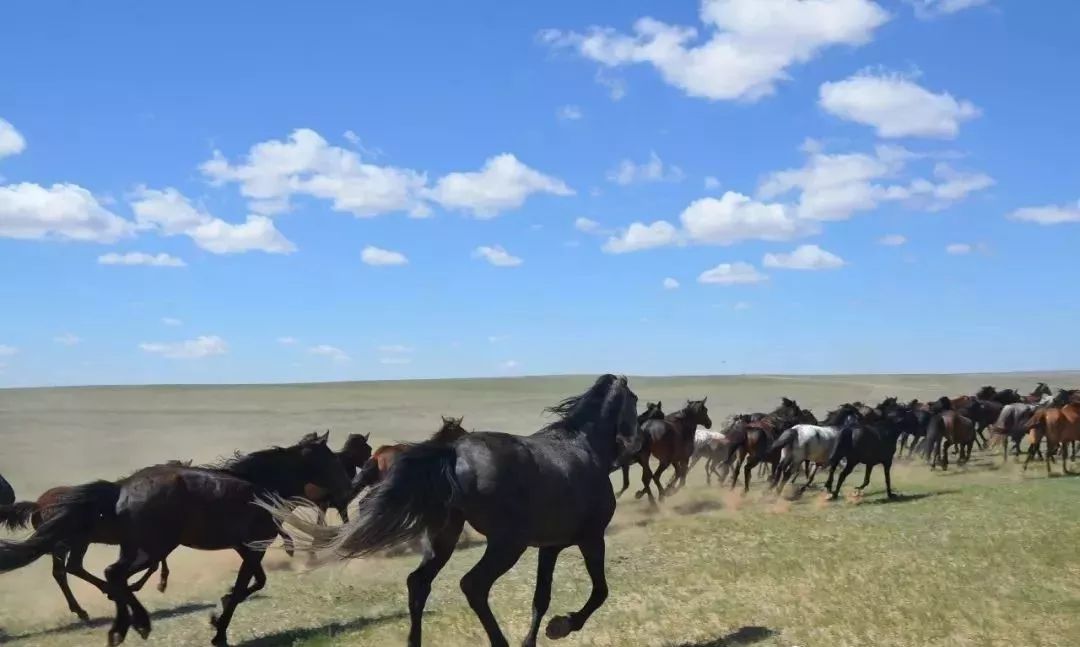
pixel 558 627
pixel 83 615
pixel 115 637
pixel 161 587
pixel 213 619
pixel 220 641
pixel 638 495
pixel 144 632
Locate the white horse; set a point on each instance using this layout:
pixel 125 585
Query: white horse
pixel 800 444
pixel 713 446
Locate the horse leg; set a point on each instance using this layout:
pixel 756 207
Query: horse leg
pixel 592 551
pixel 59 557
pixel 656 478
pixel 498 558
pixel 646 477
pixel 810 479
pixel 625 480
pixel 887 466
pixel 287 543
pixel 545 568
pixel 843 475
pixel 250 568
pixel 748 469
pixel 945 444
pixel 738 468
pixel 163 581
pixel 137 586
pixel 75 567
pixel 866 477
pixel 438 547
pixel 132 559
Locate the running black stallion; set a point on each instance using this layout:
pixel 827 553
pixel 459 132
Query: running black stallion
pixel 550 490
pixel 159 508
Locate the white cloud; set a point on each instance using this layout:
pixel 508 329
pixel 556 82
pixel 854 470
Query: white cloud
pixel 1049 214
pixel 711 183
pixel 654 170
pixel 8 351
pixel 140 258
pixel 893 240
pixel 671 284
pixel 198 348
pixel 67 339
pixel 735 217
pixel 171 321
pixel 511 364
pixel 751 44
pixel 569 113
pixel 640 236
pixel 587 226
pixel 616 87
pixel 804 257
pixel 395 349
pixel 287 341
pixel 958 249
pixel 930 9
pixel 497 339
pixel 11 141
pixel 61 212
pixel 740 306
pixel 896 106
pixel 352 137
pixel 837 186
pixel 169 213
pixel 305 164
pixel 732 274
pixel 332 352
pixel 497 256
pixel 502 184
pixel 375 256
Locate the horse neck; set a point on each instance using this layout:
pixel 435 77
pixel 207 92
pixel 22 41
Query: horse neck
pixel 272 470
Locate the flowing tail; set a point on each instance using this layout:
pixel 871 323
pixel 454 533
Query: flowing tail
pixel 785 439
pixel 414 496
pixel 17 515
pixel 74 515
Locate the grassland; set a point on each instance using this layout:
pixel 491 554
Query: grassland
pixel 982 555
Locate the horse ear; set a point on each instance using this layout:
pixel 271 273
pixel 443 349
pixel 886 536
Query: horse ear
pixel 460 420
pixel 366 436
pixel 325 437
pixel 659 404
pixel 704 399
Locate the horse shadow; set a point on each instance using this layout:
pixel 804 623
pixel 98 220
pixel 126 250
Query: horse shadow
pixel 96 623
pixel 741 636
pixel 289 637
pixel 696 507
pixel 907 498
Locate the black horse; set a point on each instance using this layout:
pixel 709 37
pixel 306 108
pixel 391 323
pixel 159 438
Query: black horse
pixel 159 508
pixel 870 440
pixel 7 493
pixel 550 490
pixel 751 441
pixel 653 411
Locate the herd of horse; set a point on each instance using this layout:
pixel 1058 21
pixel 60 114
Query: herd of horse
pixel 550 490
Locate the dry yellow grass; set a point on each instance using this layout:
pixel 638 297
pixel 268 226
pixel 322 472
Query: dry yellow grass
pixel 982 555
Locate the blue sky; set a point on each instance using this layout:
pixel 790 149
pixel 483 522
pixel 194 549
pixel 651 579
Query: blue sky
pixel 272 191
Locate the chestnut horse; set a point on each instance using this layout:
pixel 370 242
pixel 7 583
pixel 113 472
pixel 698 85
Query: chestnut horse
pixel 1060 426
pixel 671 440
pixel 380 461
pixel 946 429
pixel 354 453
pixel 751 441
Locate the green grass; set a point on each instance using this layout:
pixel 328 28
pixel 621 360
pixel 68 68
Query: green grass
pixel 978 556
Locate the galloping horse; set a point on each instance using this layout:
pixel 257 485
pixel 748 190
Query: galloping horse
pixel 671 440
pixel 652 412
pixel 1060 425
pixel 949 428
pixel 751 441
pixel 382 459
pixel 354 454
pixel 802 443
pixel 550 490
pixel 870 440
pixel 1011 425
pixel 159 508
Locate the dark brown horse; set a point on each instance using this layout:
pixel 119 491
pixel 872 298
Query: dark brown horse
pixel 353 455
pixel 671 441
pixel 946 429
pixel 382 459
pixel 1060 425
pixel 159 508
pixel 652 412
pixel 68 559
pixel 750 442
